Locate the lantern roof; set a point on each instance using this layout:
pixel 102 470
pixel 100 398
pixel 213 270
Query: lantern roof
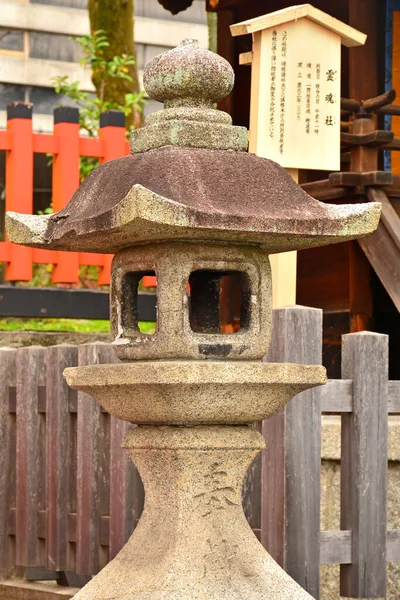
pixel 349 36
pixel 190 178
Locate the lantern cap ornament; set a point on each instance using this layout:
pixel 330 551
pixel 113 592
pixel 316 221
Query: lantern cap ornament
pixel 190 178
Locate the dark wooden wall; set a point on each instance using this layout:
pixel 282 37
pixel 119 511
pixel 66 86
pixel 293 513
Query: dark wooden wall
pixel 339 278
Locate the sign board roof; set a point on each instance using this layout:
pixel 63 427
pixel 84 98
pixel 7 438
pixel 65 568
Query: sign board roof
pixel 349 36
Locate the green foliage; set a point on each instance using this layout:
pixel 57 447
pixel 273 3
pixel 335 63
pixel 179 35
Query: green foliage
pixel 106 72
pixel 79 325
pixel 87 164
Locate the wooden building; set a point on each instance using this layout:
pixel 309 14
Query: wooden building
pixel 340 279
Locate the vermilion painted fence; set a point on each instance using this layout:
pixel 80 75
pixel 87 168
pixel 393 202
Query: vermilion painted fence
pixel 66 146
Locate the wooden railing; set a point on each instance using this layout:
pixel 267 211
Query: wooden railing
pixel 69 497
pixel 66 146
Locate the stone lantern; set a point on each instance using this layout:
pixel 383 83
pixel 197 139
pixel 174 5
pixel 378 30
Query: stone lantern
pixel 191 206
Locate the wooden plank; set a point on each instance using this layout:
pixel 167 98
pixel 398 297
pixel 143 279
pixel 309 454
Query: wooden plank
pixel 393 545
pixel 364 464
pixel 383 254
pixel 7 458
pixel 337 396
pixel 394 397
pixel 92 470
pixel 291 461
pixel 137 497
pixel 31 459
pixel 372 138
pixel 251 491
pixel 364 68
pixel 20 590
pixel 389 216
pixel 273 531
pixel 66 303
pixel 322 190
pixel 123 475
pixel 335 547
pixel 59 456
pixel 348 35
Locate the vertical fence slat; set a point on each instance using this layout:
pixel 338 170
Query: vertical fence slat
pixel 273 488
pixel 112 133
pixel 92 470
pixel 251 492
pixel 19 183
pixel 7 458
pixel 30 456
pixel 59 449
pixel 122 488
pixel 65 183
pixel 364 464
pixel 291 462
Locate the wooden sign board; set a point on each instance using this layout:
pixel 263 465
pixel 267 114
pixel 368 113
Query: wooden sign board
pixel 296 85
pixel 295 90
pixel 295 101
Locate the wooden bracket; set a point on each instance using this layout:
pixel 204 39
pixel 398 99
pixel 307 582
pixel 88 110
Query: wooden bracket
pixel 245 58
pixel 370 178
pixel 375 138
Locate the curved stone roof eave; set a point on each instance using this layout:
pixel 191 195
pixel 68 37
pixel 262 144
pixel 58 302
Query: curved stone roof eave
pixel 143 216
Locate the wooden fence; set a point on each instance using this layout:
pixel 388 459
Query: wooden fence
pixel 66 146
pixel 69 498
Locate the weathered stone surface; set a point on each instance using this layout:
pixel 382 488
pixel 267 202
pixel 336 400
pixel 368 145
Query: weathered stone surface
pixel 189 80
pixel 190 180
pixel 194 392
pixel 193 541
pixel 173 265
pixel 178 193
pixel 188 75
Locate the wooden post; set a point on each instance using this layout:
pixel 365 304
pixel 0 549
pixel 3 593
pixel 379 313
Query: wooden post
pixel 291 462
pixel 362 159
pixel 31 459
pixel 7 458
pixel 59 463
pixel 92 470
pixel 66 182
pixel 122 475
pixel 19 182
pixel 112 132
pixel 364 465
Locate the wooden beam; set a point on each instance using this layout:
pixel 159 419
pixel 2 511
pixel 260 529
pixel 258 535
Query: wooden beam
pixel 364 465
pixel 66 303
pixel 363 61
pixel 290 513
pixel 383 254
pixel 21 590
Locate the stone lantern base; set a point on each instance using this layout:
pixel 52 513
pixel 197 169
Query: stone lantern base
pixel 193 541
pixel 192 451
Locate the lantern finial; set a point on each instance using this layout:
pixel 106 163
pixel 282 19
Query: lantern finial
pixel 189 80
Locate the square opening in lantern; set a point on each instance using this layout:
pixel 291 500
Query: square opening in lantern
pixel 219 301
pixel 132 320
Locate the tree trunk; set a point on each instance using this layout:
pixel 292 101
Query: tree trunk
pixel 115 17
